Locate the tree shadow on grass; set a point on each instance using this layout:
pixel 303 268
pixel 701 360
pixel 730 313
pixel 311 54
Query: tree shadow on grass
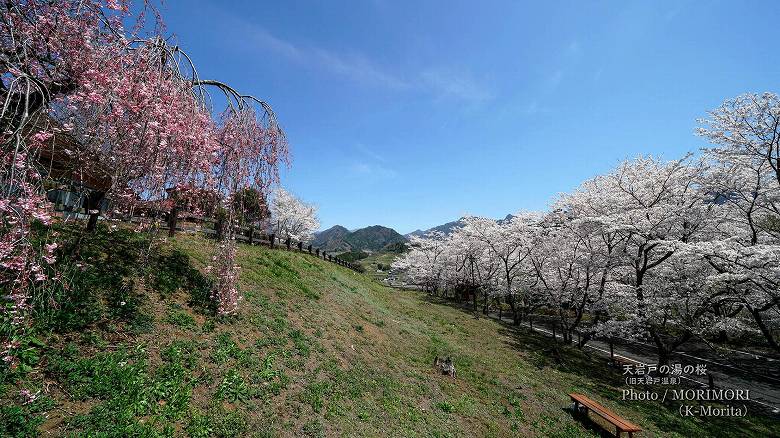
pixel 607 383
pixel 98 271
pixel 588 423
pixel 174 271
pixel 102 272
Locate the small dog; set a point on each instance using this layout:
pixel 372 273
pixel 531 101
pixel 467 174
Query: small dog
pixel 446 366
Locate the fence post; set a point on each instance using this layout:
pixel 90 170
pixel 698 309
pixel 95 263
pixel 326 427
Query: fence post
pixel 309 248
pixel 300 246
pixel 251 235
pixel 318 252
pixel 287 242
pixel 272 237
pixel 555 338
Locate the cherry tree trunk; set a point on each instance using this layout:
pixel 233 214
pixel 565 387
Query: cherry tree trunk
pixel 92 205
pixel 172 219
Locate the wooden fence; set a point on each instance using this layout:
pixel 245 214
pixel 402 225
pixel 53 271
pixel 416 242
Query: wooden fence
pixel 253 237
pixel 243 234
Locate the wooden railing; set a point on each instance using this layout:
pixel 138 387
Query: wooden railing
pixel 253 237
pixel 243 234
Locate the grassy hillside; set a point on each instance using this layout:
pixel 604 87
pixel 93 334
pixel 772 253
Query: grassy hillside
pixel 316 350
pixel 372 263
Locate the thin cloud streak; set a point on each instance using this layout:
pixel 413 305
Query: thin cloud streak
pixel 357 68
pixel 372 171
pixel 458 86
pixel 441 83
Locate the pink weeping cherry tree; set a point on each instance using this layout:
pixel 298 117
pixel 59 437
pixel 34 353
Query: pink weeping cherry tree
pixel 250 150
pixel 137 114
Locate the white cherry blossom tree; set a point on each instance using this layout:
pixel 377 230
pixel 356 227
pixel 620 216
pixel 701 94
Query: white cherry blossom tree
pixel 291 217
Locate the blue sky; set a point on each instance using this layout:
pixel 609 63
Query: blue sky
pixel 412 114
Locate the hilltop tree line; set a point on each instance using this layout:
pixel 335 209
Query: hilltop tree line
pixel 666 250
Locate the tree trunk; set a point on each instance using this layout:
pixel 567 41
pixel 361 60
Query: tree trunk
pixel 92 205
pixel 218 227
pixel 172 219
pixel 663 357
pixel 663 350
pixel 764 329
pixel 566 335
pixel 515 314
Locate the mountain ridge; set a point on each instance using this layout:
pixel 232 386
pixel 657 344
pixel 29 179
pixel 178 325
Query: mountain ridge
pixel 448 227
pixel 372 238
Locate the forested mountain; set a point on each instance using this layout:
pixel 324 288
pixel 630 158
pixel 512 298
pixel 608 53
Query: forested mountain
pixel 373 238
pixel 332 239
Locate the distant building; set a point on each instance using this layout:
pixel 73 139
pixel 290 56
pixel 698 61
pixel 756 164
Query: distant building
pixel 74 181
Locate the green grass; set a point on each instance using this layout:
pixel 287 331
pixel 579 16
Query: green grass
pixel 317 350
pixel 373 262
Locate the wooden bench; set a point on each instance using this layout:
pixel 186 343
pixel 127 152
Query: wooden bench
pixel 621 425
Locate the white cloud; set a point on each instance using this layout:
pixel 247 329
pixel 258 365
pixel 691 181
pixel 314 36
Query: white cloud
pixel 555 79
pixel 533 108
pixel 373 171
pixel 597 74
pixel 573 50
pixel 355 67
pixel 438 82
pixel 360 147
pixel 447 84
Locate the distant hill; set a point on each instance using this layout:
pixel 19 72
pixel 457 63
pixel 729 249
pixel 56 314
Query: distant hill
pixel 396 247
pixel 373 238
pixel 449 227
pixel 332 239
pixel 445 228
